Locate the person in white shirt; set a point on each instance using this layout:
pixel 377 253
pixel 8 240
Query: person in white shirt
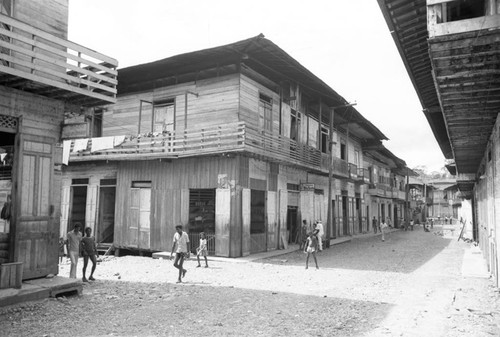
pixel 321 233
pixel 181 246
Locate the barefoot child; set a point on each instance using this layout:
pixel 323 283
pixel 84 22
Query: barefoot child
pixel 202 250
pixel 89 250
pixel 311 247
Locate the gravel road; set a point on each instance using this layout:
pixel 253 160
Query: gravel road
pixel 409 285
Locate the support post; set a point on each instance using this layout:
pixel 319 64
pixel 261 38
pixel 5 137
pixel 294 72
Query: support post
pixel 330 223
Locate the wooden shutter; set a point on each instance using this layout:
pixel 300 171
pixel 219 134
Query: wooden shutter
pixel 245 223
pixel 133 226
pixel 272 223
pixel 65 199
pixel 222 219
pixel 144 218
pixel 283 207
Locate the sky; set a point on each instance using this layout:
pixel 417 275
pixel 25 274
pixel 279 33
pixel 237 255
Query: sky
pixel 345 43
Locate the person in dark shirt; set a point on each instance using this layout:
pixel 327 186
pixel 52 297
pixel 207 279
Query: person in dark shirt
pixel 89 251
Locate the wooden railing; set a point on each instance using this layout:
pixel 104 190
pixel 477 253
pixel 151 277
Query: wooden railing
pixel 364 175
pixel 49 62
pixel 227 138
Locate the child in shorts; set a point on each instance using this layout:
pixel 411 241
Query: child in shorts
pixel 202 250
pixel 311 247
pixel 89 251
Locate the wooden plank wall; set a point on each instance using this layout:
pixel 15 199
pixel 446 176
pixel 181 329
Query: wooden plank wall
pixel 40 116
pixel 217 103
pixel 170 185
pixel 249 102
pixel 48 15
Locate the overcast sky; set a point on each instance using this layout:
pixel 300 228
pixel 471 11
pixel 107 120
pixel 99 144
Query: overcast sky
pixel 345 43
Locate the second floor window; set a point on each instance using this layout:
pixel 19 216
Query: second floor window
pixel 265 112
pixel 343 154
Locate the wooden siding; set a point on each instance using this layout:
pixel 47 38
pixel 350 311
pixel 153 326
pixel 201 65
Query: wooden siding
pixel 216 104
pixel 40 116
pixel 48 15
pixel 249 103
pixel 170 182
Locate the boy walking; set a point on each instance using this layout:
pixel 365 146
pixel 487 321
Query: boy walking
pixel 180 245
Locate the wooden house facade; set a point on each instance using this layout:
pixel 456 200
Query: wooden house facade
pixel 236 141
pixel 42 77
pixel 451 50
pixel 386 196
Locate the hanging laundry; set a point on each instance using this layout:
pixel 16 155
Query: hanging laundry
pixel 80 144
pixel 118 140
pixel 66 150
pixel 102 143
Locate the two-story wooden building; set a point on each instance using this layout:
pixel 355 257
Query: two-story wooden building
pixel 451 50
pixel 43 76
pixel 233 141
pixel 386 190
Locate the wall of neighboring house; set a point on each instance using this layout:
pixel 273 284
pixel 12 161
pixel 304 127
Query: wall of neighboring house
pixel 487 210
pixel 37 197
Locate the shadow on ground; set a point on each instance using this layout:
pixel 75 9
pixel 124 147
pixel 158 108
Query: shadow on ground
pixel 161 309
pixel 402 251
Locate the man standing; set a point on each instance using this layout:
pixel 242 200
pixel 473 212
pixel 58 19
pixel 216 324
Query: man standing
pixel 73 246
pixel 181 241
pixel 321 233
pixel 374 225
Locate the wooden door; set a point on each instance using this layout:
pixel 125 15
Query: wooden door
pixel 245 215
pixel 283 207
pixel 35 234
pixel 222 219
pixel 106 222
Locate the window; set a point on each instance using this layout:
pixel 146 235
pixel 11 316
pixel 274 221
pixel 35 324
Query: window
pixel 164 116
pixel 356 158
pixel 465 9
pixel 96 130
pixel 342 151
pixel 324 140
pixel 313 133
pixel 265 112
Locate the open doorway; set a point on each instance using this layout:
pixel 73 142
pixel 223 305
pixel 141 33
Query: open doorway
pixel 258 232
pixel 6 169
pixel 106 221
pixel 78 203
pixel 293 232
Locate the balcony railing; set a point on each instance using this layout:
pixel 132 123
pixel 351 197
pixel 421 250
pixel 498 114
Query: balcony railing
pixel 224 139
pixel 353 171
pixel 364 175
pixel 40 62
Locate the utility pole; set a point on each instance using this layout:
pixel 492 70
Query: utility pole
pixel 330 223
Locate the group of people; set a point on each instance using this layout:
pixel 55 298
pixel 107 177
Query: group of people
pixel 78 245
pixel 180 245
pixel 312 241
pixel 382 226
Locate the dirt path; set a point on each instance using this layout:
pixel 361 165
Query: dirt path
pixel 409 285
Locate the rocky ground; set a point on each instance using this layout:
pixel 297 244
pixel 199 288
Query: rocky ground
pixel 409 285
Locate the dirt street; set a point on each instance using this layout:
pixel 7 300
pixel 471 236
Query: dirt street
pixel 409 285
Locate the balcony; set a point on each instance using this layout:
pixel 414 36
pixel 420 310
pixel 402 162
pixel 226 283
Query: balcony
pixel 41 63
pixel 218 140
pixel 364 175
pixel 380 190
pixel 445 17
